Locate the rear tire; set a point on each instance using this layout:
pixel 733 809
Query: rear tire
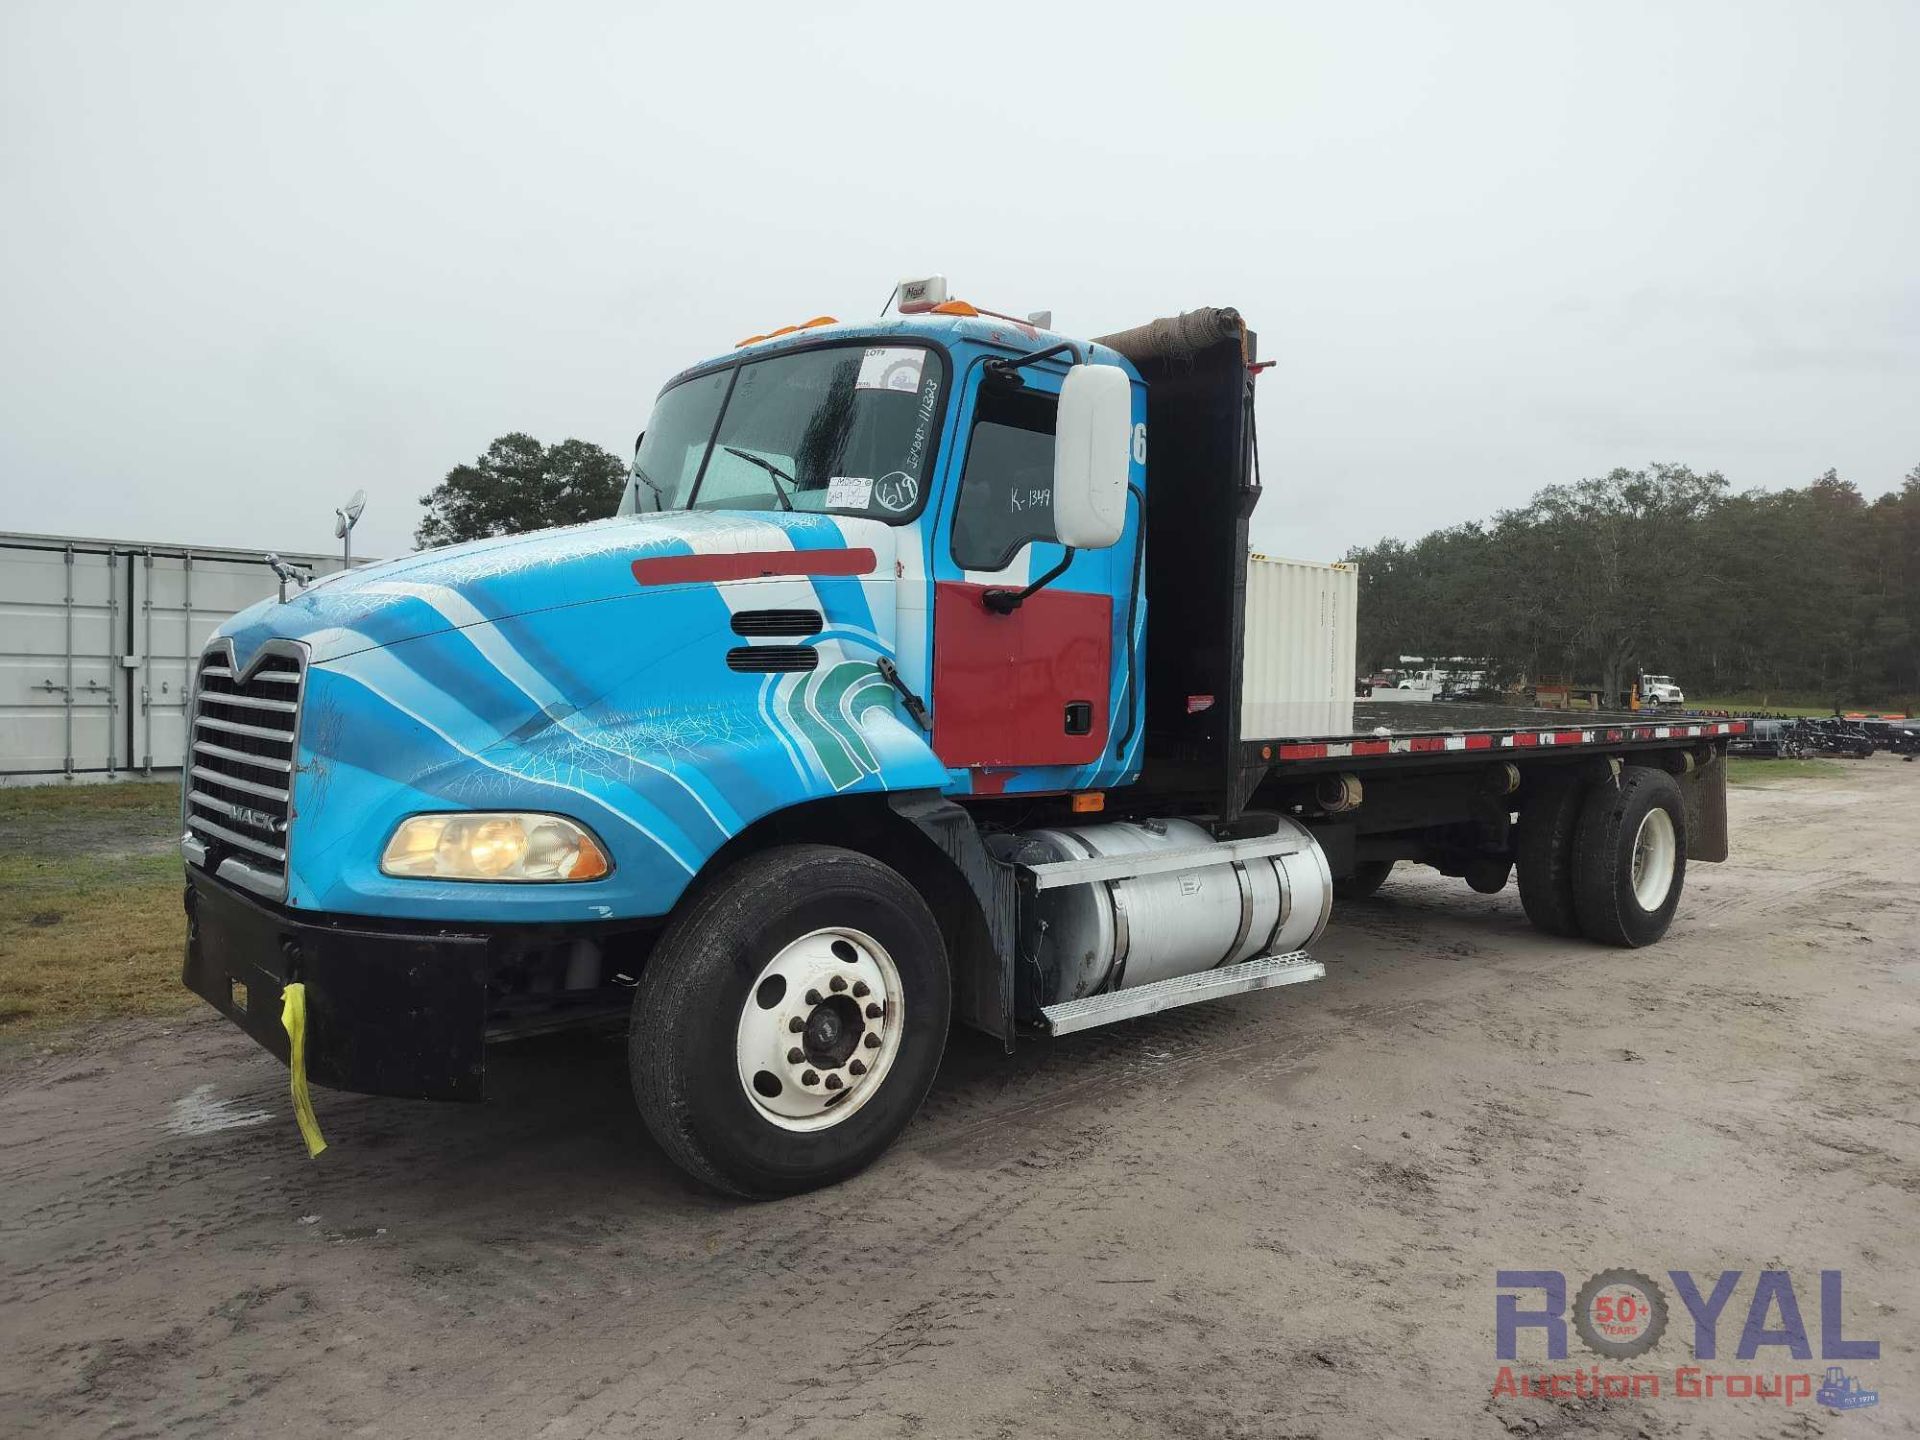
pixel 793 934
pixel 1548 820
pixel 1367 877
pixel 1630 858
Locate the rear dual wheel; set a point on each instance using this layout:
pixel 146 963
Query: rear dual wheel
pixel 788 1025
pixel 1607 861
pixel 1630 858
pixel 1367 877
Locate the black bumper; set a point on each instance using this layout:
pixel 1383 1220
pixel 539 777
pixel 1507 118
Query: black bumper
pixel 389 1011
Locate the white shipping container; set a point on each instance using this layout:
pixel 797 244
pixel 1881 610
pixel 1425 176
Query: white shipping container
pixel 97 644
pixel 1301 645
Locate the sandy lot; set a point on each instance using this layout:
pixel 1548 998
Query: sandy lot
pixel 1275 1216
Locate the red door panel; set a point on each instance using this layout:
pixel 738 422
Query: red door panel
pixel 1002 683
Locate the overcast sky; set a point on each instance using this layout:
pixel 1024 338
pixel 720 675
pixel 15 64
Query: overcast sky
pixel 258 255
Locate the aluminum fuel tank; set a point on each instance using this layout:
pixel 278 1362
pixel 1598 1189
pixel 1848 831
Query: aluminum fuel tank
pixel 1115 933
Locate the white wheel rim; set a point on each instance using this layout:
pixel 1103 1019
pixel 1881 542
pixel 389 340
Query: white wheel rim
pixel 829 1006
pixel 1653 854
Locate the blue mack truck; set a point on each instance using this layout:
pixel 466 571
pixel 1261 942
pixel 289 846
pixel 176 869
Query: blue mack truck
pixel 923 677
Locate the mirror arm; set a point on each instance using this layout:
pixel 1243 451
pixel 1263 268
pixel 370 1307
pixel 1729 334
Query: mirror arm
pixel 1005 602
pixel 1004 369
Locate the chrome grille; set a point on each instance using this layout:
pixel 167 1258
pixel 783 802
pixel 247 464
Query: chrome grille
pixel 240 771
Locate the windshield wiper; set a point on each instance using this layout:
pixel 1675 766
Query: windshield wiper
pixel 660 499
pixel 780 477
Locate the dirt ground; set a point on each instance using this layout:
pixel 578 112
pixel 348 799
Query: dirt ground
pixel 1280 1215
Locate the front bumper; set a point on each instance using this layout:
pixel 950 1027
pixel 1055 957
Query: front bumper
pixel 390 1011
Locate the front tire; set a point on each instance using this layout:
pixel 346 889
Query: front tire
pixel 1630 858
pixel 788 1025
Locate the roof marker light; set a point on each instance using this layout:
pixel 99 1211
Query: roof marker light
pixel 815 323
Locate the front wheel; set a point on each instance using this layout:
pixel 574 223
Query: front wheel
pixel 1630 858
pixel 787 1026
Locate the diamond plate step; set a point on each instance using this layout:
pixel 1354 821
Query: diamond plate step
pixel 1261 974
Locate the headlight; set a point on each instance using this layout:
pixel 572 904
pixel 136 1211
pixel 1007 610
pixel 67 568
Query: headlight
pixel 483 846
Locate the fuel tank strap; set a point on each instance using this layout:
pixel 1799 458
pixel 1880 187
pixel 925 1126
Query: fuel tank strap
pixel 1051 875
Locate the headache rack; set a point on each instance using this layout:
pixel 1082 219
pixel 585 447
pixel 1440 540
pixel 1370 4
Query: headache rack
pixel 239 781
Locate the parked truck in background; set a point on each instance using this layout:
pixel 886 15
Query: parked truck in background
pixel 925 676
pixel 1658 690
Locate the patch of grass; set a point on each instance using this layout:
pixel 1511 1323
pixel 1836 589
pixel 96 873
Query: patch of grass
pixel 90 917
pixel 24 802
pixel 1747 770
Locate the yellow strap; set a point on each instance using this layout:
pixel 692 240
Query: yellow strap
pixel 293 1015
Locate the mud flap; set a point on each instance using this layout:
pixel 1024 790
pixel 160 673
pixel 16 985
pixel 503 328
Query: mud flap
pixel 1704 793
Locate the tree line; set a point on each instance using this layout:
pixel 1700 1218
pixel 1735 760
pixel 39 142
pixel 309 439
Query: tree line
pixel 1810 593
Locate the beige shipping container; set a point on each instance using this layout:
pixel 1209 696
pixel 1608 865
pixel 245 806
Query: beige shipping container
pixel 1300 649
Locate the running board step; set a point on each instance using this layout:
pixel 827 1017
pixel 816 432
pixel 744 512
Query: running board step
pixel 1261 974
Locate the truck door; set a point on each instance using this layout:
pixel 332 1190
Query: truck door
pixel 1028 688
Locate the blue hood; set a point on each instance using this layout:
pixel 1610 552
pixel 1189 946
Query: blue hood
pixel 495 579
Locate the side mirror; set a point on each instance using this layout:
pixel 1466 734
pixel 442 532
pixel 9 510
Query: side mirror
pixel 1093 448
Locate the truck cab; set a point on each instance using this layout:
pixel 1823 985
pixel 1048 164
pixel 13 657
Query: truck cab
pixel 1660 690
pixel 923 677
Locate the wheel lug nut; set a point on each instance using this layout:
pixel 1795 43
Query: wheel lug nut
pixel 875 1011
pixel 834 1082
pixel 796 1024
pixel 809 1078
pixel 796 1055
pixel 814 997
pixel 860 991
pixel 857 1067
pixel 872 1042
pixel 837 984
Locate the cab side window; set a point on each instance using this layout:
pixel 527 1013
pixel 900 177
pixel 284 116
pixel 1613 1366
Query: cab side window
pixel 1006 490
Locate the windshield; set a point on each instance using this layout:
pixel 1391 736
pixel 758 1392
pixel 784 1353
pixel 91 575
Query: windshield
pixel 843 428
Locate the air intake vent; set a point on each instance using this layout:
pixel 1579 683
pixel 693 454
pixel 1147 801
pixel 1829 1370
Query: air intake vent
pixel 769 659
pixel 776 622
pixel 240 773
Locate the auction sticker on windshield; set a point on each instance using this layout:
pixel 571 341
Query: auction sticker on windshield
pixel 891 367
pixel 847 492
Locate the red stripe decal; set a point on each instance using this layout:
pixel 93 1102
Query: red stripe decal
pixel 1369 747
pixel 1303 752
pixel 1738 727
pixel 1616 734
pixel 1428 742
pixel 1643 733
pixel 1526 737
pixel 1566 737
pixel 1479 742
pixel 750 565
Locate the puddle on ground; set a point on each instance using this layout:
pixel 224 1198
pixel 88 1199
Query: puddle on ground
pixel 201 1112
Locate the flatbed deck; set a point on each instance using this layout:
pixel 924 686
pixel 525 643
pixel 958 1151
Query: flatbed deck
pixel 1433 730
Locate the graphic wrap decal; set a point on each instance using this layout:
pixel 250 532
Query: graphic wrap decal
pixel 825 708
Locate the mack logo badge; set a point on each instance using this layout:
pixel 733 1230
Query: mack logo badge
pixel 259 819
